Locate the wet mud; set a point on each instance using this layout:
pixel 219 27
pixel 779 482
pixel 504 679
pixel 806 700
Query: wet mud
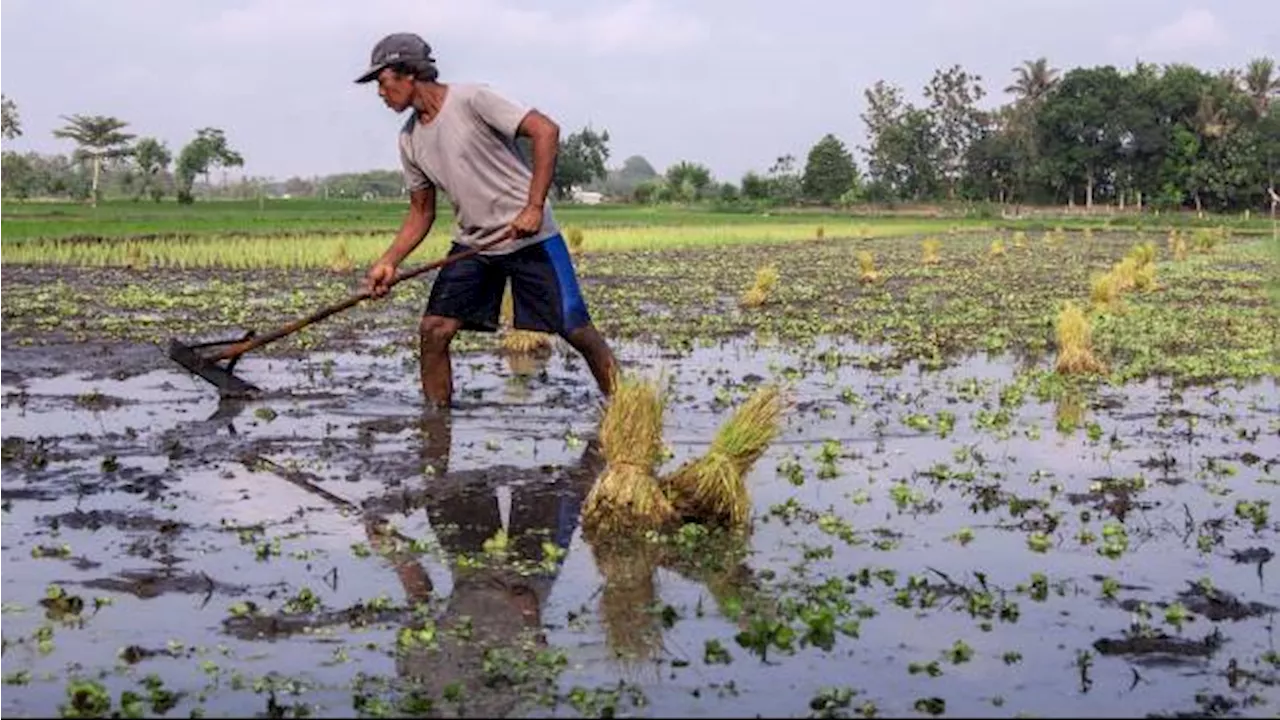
pixel 968 538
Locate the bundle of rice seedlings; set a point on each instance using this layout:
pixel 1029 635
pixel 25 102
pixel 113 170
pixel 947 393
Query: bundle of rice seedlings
pixel 758 294
pixel 627 497
pixel 517 341
pixel 1172 240
pixel 1180 249
pixel 1075 343
pixel 527 342
pixel 1205 241
pixel 1143 254
pixel 1125 272
pixel 867 267
pixel 525 365
pixel 1020 240
pixel 1088 235
pixel 575 239
pixel 931 247
pixel 713 488
pixel 507 311
pixel 341 261
pixel 1145 277
pixel 134 259
pixel 1104 292
pixel 822 232
pixel 997 247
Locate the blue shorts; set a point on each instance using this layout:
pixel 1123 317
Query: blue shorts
pixel 544 289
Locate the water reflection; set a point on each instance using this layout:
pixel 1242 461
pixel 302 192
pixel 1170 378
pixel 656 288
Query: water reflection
pixel 485 651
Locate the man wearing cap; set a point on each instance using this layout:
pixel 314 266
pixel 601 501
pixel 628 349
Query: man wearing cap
pixel 461 138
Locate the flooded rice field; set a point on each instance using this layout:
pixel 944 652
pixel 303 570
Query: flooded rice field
pixel 924 542
pixel 944 527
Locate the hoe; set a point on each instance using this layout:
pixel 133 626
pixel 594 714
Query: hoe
pixel 210 366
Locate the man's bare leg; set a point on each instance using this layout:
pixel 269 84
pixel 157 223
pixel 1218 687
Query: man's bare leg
pixel 435 333
pixel 593 348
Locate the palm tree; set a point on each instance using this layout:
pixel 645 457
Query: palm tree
pixel 98 137
pixel 1033 79
pixel 1211 118
pixel 1261 82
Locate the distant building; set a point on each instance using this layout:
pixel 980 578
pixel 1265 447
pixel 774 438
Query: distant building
pixel 586 197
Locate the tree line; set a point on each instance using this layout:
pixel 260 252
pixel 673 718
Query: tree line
pixel 1171 137
pixel 139 167
pixel 1167 137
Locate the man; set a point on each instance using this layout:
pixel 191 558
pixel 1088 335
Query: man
pixel 461 138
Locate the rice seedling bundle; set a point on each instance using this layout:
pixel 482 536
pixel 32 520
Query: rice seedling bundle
pixel 759 292
pixel 712 488
pixel 515 340
pixel 867 267
pixel 1075 343
pixel 931 247
pixel 627 498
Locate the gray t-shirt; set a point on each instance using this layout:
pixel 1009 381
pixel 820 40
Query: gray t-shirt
pixel 469 151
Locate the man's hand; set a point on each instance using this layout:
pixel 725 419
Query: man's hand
pixel 377 281
pixel 527 223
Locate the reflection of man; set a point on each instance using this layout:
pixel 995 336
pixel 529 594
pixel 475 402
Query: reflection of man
pixel 501 586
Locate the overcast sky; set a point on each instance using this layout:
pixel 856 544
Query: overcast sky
pixel 730 83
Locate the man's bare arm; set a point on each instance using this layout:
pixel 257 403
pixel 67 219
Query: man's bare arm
pixel 545 135
pixel 417 223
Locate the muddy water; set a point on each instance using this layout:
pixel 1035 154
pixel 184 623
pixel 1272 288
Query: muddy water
pixel 230 549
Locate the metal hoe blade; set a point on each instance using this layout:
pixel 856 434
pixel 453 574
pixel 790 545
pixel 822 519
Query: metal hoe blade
pixel 227 383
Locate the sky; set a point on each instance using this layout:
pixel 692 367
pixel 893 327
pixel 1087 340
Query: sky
pixel 733 84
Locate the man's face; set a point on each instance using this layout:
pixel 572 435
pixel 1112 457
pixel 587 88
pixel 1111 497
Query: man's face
pixel 395 90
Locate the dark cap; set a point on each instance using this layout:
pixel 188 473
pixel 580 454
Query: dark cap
pixel 395 48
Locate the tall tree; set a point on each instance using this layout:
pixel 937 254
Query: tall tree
pixel 10 123
pixel 829 171
pixel 1261 83
pixel 754 186
pixel 151 158
pixel 98 137
pixel 784 180
pixel 209 149
pixel 580 160
pixel 1032 81
pixel 1080 130
pixel 902 159
pixel 1019 142
pixel 953 96
pixel 688 181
